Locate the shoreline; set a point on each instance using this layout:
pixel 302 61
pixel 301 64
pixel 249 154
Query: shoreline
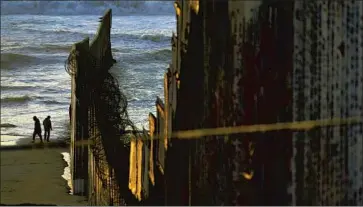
pixel 34 176
pixel 25 143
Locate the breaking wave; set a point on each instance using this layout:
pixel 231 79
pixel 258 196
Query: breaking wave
pixel 52 102
pixel 147 37
pixel 40 49
pixel 156 38
pixel 79 32
pixel 11 59
pixel 7 87
pixel 55 48
pixel 87 7
pixel 7 125
pixel 148 56
pixel 163 54
pixel 15 99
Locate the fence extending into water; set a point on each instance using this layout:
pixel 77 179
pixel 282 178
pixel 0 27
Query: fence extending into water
pixel 263 105
pixel 98 115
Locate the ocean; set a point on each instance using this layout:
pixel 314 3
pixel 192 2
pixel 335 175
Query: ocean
pixel 36 37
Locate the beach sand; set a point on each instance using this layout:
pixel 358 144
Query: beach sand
pixel 34 176
pixel 26 143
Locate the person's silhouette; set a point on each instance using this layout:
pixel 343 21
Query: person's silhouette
pixel 47 127
pixel 37 129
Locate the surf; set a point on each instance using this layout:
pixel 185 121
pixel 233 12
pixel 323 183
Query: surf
pixel 49 48
pixel 15 88
pixel 147 37
pixel 15 100
pixel 7 125
pixel 86 7
pixel 9 60
pixel 160 55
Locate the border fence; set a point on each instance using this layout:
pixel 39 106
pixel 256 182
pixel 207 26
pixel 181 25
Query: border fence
pixel 263 105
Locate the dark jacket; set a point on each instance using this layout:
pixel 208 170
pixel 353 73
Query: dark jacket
pixel 37 127
pixel 47 124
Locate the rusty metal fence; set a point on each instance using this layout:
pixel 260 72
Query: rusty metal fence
pixel 244 122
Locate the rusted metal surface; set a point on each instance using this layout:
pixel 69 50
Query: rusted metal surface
pixel 328 77
pixel 106 180
pixel 152 127
pixel 103 181
pixel 109 151
pixel 79 129
pixel 247 63
pixel 268 69
pixel 100 47
pixel 160 143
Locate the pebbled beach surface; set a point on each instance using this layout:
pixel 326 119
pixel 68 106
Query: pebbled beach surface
pixel 33 176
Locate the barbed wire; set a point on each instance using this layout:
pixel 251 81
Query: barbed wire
pixel 101 92
pixel 111 120
pixel 70 64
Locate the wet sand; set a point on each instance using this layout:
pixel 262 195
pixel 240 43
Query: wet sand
pixel 34 176
pixel 26 143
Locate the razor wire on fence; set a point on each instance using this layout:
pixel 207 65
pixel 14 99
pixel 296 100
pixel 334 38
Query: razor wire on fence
pixel 108 119
pixel 70 64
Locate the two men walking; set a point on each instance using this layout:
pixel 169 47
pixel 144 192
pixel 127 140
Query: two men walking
pixel 47 124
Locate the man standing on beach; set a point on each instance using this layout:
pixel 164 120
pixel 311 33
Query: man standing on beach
pixel 37 129
pixel 47 127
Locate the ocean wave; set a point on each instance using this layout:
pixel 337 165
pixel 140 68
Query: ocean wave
pixel 87 7
pixel 147 37
pixel 148 56
pixel 53 102
pixel 156 38
pixel 63 32
pixel 7 125
pixel 163 54
pixel 14 59
pixel 15 87
pixel 80 32
pixel 15 99
pixel 123 50
pixel 59 48
pixel 44 48
pixel 63 108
